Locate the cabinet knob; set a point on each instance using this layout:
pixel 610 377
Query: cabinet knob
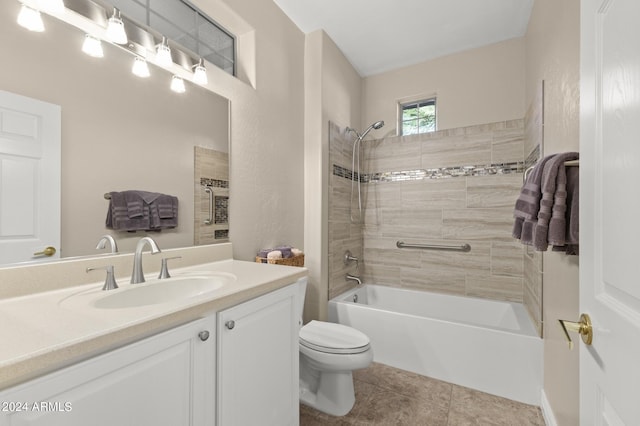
pixel 230 324
pixel 203 335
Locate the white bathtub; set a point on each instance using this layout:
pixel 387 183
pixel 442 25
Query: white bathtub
pixel 482 344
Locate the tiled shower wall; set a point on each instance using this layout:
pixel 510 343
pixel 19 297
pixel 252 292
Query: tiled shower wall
pixel 449 187
pixel 471 202
pixel 344 234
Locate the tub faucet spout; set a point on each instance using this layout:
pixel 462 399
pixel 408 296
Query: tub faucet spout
pixel 354 278
pixel 138 276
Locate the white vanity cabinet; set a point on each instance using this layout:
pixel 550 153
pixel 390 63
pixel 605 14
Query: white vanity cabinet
pixel 257 375
pixel 167 379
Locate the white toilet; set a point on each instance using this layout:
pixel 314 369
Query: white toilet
pixel 328 354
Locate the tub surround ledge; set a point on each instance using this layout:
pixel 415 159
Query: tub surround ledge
pixel 41 335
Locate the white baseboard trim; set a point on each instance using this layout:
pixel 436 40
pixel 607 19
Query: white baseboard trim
pixel 547 413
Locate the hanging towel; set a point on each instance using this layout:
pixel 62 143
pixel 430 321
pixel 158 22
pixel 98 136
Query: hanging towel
pixel 528 204
pixel 567 239
pixel 554 195
pixel 142 211
pixel 118 214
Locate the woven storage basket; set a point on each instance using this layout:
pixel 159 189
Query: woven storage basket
pixel 290 261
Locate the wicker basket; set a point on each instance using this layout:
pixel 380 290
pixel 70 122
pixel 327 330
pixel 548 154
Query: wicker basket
pixel 290 261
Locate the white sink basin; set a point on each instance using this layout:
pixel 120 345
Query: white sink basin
pixel 176 289
pixel 158 291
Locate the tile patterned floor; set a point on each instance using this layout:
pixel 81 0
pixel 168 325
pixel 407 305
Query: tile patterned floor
pixel 391 397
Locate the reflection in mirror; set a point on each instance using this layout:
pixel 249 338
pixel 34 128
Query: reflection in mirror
pixel 119 131
pixel 211 196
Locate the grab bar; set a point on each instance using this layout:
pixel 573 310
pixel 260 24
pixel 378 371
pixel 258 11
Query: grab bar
pixel 464 247
pixel 209 220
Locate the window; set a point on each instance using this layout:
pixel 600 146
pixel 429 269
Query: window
pixel 184 24
pixel 418 117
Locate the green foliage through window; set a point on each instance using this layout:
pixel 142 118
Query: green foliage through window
pixel 418 117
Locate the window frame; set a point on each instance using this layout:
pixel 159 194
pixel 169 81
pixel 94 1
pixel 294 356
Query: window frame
pixel 417 103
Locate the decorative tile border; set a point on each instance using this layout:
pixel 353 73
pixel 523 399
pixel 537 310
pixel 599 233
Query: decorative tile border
pixel 215 183
pixel 439 173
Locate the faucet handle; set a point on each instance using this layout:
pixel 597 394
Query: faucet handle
pixel 110 281
pixel 164 270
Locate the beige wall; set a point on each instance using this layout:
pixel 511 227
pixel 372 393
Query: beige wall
pixel 118 131
pixel 333 93
pixel 552 55
pixel 267 125
pixel 483 85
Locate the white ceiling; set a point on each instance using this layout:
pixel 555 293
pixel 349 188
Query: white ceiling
pixel 381 35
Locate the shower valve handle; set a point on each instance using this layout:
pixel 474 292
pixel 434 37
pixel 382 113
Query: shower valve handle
pixel 348 258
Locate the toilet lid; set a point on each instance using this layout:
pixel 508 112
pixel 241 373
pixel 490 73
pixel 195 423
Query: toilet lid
pixel 333 338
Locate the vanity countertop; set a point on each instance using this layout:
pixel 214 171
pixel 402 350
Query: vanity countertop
pixel 41 333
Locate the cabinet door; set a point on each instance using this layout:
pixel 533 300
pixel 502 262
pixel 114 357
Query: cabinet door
pixel 258 361
pixel 167 379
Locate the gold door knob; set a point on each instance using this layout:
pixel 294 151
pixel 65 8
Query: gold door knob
pixel 583 327
pixel 49 251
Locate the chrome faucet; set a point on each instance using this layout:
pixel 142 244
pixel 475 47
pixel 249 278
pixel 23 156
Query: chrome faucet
pixel 107 239
pixel 138 276
pixel 354 278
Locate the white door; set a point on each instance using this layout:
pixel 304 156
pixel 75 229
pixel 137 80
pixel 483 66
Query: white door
pixel 29 179
pixel 610 211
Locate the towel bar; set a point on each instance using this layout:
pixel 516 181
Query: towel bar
pixel 570 163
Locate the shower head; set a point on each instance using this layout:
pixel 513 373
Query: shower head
pixel 377 125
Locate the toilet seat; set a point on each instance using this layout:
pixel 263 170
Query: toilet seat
pixel 333 338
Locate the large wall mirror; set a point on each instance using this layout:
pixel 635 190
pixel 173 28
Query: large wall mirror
pixel 119 131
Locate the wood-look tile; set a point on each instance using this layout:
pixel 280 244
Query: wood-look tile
pixel 433 194
pixel 439 281
pixel 381 274
pixel 417 223
pixel 493 191
pixel 374 256
pixel 456 151
pixel 507 259
pixel 478 259
pixel 392 154
pixel 494 287
pixel 478 224
pixel 507 146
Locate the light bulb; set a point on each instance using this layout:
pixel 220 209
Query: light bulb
pixel 140 67
pixel 115 29
pixel 30 19
pixel 92 46
pixel 200 74
pixel 163 53
pixel 177 84
pixel 55 6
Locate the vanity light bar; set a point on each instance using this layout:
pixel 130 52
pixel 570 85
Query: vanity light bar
pixel 31 19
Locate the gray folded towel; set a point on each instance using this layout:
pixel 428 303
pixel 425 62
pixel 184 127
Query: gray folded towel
pixel 553 197
pixel 528 204
pixel 118 214
pixel 142 211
